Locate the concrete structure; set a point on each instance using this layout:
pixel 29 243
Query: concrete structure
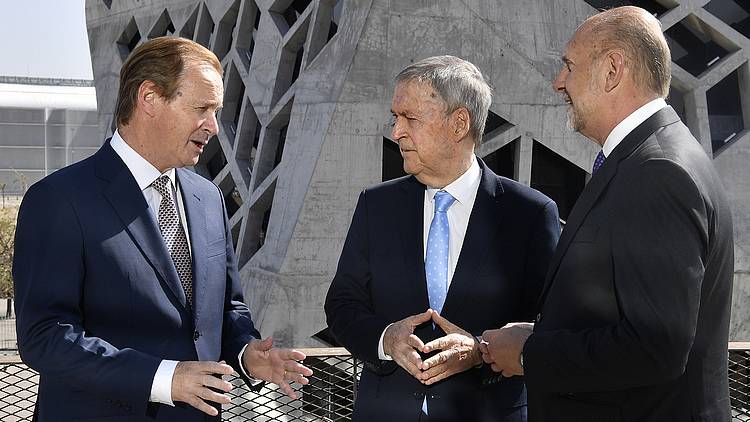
pixel 45 124
pixel 308 87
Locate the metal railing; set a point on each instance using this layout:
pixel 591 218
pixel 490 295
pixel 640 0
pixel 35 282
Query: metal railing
pixel 330 395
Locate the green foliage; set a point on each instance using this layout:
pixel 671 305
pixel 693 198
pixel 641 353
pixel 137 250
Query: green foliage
pixel 7 237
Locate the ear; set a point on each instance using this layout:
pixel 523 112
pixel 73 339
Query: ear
pixel 614 63
pixel 148 98
pixel 459 123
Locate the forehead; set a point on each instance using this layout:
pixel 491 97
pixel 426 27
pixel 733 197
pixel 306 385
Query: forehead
pixel 415 94
pixel 577 47
pixel 204 80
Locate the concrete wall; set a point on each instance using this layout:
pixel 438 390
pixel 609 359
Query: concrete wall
pixel 328 106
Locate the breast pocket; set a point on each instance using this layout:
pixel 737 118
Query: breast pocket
pixel 216 248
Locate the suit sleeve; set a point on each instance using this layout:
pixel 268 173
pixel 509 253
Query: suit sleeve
pixel 238 328
pixel 48 271
pixel 541 247
pixel 349 308
pixel 658 248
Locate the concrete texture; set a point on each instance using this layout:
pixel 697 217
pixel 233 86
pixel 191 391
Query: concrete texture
pixel 292 216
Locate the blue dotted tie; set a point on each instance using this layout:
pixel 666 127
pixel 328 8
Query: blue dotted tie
pixel 598 162
pixel 436 259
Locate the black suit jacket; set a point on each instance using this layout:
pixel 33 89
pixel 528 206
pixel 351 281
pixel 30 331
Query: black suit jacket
pixel 98 299
pixel 380 279
pixel 636 305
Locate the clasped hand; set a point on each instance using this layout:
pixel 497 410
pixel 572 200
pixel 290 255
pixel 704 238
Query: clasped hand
pixel 459 350
pixel 501 348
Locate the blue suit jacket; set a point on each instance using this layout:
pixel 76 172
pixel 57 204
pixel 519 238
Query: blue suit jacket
pixel 380 279
pixel 98 299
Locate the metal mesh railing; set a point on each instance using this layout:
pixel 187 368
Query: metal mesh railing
pixel 329 397
pixel 739 380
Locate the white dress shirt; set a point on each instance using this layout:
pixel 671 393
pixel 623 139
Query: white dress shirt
pixel 145 174
pixel 631 122
pixel 464 190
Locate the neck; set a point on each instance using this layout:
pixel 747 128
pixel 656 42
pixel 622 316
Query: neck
pixel 459 168
pixel 622 107
pixel 136 138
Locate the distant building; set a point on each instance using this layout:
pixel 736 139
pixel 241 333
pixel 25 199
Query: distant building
pixel 308 87
pixel 45 124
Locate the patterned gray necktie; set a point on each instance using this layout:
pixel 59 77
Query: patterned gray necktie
pixel 174 236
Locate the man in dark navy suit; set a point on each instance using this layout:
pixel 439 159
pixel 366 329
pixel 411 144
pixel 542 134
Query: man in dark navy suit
pixel 435 258
pixel 128 296
pixel 634 319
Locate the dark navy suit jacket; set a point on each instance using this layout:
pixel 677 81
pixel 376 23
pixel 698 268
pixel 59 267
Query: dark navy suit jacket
pixel 509 241
pixel 635 311
pixel 98 299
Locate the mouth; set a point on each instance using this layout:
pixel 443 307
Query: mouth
pixel 199 144
pixel 568 100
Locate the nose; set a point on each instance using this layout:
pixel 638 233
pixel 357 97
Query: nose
pixel 559 83
pixel 211 125
pixel 397 132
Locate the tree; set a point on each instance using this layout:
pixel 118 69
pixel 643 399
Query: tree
pixel 7 238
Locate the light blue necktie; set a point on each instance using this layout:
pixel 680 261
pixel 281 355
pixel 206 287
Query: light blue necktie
pixel 436 259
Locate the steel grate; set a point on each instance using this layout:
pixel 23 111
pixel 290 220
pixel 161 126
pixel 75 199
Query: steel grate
pixel 329 397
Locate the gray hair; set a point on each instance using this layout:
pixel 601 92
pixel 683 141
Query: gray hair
pixel 459 84
pixel 639 35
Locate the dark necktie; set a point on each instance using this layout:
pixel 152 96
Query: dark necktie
pixel 174 236
pixel 598 162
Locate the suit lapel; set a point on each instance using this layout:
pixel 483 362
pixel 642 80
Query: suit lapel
pixel 196 219
pixel 123 193
pixel 598 184
pixel 480 232
pixel 412 230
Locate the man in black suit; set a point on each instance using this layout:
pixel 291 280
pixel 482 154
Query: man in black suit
pixel 128 296
pixel 433 259
pixel 635 309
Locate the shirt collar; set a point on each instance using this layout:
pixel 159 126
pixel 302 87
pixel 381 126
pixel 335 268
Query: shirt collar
pixel 461 188
pixel 631 122
pixel 144 172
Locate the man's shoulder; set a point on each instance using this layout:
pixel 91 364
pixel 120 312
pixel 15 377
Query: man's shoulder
pixel 519 192
pixel 73 175
pixel 392 186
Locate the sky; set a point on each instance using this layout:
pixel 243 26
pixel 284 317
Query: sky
pixel 44 39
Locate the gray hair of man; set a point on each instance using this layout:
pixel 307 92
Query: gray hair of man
pixel 458 83
pixel 638 33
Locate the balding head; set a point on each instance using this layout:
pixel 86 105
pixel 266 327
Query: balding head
pixel 639 35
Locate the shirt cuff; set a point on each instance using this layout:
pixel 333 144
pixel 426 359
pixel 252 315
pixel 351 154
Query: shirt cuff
pixel 381 352
pixel 253 381
pixel 161 388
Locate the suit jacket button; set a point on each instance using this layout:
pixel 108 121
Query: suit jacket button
pixel 538 318
pixel 196 335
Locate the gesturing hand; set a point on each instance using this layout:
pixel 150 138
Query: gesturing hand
pixel 400 343
pixel 279 366
pixel 459 352
pixel 501 348
pixel 192 383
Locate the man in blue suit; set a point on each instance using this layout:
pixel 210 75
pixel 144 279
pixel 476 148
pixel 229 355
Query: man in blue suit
pixel 435 258
pixel 128 296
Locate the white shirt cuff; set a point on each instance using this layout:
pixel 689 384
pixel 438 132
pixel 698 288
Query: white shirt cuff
pixel 253 381
pixel 381 352
pixel 161 388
